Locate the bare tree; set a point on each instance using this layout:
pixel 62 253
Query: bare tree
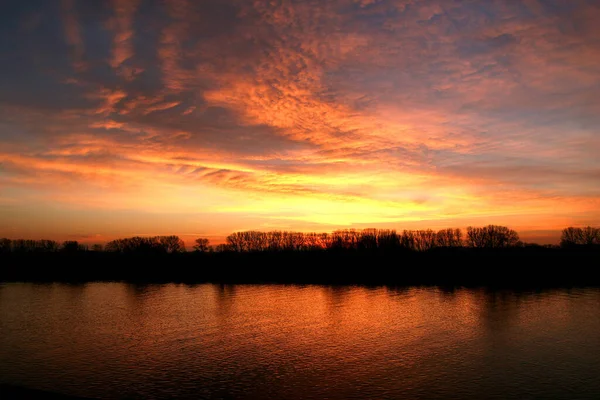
pixel 368 239
pixel 149 245
pixel 5 245
pixel 590 236
pixel 492 236
pixel 387 239
pixel 221 248
pixel 202 245
pixel 449 238
pixel 316 241
pixel 97 247
pixel 344 239
pixel 71 246
pixel 424 240
pixel 587 236
pixel 37 246
pixel 171 244
pixel 407 240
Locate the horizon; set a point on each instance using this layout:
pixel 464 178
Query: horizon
pixel 143 118
pixel 547 237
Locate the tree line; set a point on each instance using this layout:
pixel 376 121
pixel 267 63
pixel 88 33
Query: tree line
pixel 486 237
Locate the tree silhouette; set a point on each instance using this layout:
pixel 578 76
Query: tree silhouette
pixel 425 240
pixel 97 247
pixel 171 244
pixel 491 237
pixel 449 238
pixel 407 240
pixel 368 240
pixel 71 246
pixel 202 245
pixel 5 245
pixel 222 248
pixel 34 246
pixel 344 240
pixel 588 236
pixel 147 245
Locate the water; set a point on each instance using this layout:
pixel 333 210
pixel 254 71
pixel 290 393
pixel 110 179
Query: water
pixel 116 340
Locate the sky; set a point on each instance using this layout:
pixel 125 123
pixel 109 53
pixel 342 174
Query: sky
pixel 201 118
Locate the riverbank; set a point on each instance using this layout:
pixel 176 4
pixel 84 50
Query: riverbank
pixel 464 267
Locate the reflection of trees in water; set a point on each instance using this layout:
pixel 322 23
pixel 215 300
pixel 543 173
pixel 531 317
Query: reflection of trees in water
pixel 138 295
pixel 75 294
pixel 342 300
pixel 75 291
pixel 399 291
pixel 336 296
pixel 447 293
pixel 499 309
pixel 225 296
pixel 138 291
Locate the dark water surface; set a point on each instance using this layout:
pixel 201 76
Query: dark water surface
pixel 116 340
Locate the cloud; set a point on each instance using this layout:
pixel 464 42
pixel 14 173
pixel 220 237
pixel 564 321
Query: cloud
pixel 122 24
pixel 337 113
pixel 109 100
pixel 170 49
pixel 73 37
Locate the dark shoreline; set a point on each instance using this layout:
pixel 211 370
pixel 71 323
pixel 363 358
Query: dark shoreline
pixel 507 268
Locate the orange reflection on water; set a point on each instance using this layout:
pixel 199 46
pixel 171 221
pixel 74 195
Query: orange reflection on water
pixel 279 341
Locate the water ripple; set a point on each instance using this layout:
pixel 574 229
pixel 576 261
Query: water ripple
pixel 114 340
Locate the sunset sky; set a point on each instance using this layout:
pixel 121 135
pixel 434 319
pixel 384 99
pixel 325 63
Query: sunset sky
pixel 200 118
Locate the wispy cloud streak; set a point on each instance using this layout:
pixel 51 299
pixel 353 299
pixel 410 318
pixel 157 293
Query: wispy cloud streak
pixel 122 24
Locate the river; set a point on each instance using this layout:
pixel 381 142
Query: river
pixel 118 340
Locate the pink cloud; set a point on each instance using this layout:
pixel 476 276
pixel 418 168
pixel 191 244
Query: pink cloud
pixel 336 113
pixel 122 24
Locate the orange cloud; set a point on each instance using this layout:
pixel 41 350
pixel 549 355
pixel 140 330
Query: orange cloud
pixel 122 47
pixel 72 30
pixel 170 51
pixel 397 113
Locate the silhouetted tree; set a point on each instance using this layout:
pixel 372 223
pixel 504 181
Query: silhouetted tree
pixel 344 239
pixel 236 242
pixel 5 245
pixel 316 241
pixel 146 245
pixel 97 247
pixel 202 245
pixel 274 240
pixel 424 240
pixel 571 236
pixel 293 241
pixel 71 246
pixel 449 238
pixel 255 241
pixel 116 246
pixel 46 245
pixel 492 236
pixel 222 248
pixel 387 239
pixel 407 240
pixel 34 246
pixel 587 236
pixel 368 239
pixel 171 244
pixel 591 236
